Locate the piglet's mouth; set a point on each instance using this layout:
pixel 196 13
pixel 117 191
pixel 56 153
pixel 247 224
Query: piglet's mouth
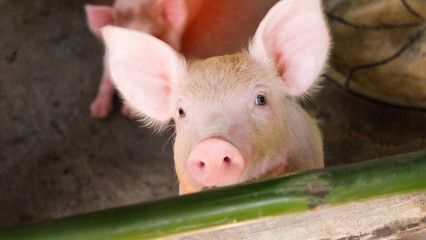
pixel 208 188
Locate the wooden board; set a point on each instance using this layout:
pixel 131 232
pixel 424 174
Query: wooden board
pixel 400 217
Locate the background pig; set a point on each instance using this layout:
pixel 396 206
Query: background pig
pixel 235 115
pixel 165 19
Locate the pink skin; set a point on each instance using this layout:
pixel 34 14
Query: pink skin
pixel 102 105
pixel 165 19
pixel 236 116
pixel 215 162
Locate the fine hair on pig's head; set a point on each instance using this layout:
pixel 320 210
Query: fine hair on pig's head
pixel 235 115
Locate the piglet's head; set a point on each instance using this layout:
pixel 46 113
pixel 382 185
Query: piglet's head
pixel 155 17
pixel 231 123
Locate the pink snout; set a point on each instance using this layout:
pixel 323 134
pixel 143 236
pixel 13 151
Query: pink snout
pixel 215 162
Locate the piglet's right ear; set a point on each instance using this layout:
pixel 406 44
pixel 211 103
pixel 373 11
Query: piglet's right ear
pixel 294 36
pixel 99 17
pixel 142 68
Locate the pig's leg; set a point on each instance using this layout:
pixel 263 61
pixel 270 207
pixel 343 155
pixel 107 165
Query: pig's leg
pixel 127 111
pixel 103 103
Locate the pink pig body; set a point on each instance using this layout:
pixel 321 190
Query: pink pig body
pixel 164 19
pixel 236 116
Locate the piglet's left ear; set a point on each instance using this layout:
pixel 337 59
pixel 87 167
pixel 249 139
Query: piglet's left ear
pixel 99 17
pixel 293 36
pixel 175 12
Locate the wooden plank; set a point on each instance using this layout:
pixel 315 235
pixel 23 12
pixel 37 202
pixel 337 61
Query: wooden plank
pixel 399 217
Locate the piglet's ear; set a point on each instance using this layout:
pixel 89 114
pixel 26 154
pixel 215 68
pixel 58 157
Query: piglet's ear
pixel 99 17
pixel 294 36
pixel 175 12
pixel 142 69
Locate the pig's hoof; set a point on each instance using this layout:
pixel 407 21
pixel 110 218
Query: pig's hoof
pixel 100 109
pixel 127 111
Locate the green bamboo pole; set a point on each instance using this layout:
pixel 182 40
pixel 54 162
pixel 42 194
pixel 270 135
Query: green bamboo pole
pixel 277 196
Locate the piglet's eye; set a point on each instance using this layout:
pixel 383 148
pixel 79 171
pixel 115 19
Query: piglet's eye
pixel 181 113
pixel 260 100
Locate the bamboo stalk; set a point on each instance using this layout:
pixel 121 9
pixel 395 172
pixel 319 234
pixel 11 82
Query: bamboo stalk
pixel 277 196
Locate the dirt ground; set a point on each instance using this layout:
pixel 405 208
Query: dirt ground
pixel 56 161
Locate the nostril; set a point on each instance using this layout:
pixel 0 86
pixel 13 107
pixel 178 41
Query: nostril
pixel 215 162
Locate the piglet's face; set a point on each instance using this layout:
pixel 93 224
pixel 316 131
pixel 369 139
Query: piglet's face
pixel 225 113
pixel 231 123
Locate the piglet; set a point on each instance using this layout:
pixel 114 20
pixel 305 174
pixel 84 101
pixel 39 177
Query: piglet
pixel 164 19
pixel 236 116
